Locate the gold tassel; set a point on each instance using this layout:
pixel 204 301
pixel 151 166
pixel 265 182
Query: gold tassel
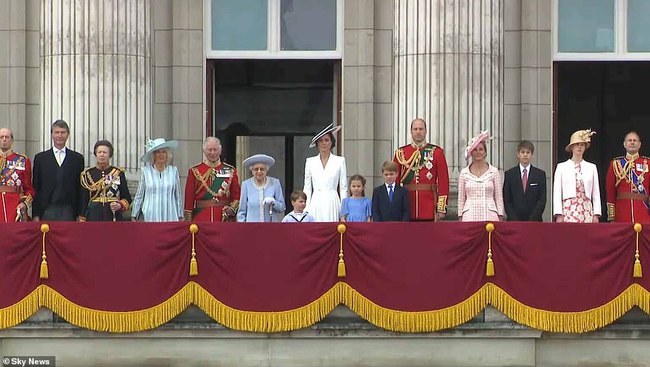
pixel 489 267
pixel 341 269
pixel 194 265
pixel 45 274
pixel 638 271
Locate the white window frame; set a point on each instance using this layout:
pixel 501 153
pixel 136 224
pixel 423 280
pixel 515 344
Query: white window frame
pixel 620 52
pixel 273 50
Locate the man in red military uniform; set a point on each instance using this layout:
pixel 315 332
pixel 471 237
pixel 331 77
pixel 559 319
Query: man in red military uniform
pixel 15 181
pixel 422 170
pixel 627 184
pixel 212 187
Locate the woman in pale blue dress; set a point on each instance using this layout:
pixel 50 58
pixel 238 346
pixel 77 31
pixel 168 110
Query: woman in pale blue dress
pixel 159 191
pixel 261 198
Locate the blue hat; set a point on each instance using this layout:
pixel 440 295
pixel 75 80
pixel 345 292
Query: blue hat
pixel 156 144
pixel 266 160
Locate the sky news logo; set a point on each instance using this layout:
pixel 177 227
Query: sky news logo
pixel 29 361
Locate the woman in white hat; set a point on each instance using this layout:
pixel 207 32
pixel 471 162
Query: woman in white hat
pixel 159 191
pixel 576 192
pixel 261 196
pixel 323 174
pixel 480 195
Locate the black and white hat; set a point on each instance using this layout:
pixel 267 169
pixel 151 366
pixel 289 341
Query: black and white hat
pixel 329 129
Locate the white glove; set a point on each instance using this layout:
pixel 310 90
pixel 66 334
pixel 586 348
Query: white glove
pixel 269 201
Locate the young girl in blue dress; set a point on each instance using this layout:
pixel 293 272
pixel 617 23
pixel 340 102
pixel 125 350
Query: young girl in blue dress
pixel 357 207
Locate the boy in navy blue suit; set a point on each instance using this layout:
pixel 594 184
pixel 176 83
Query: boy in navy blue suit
pixel 390 202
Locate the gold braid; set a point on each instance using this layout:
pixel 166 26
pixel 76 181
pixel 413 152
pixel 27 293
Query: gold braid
pixel 95 188
pixel 622 172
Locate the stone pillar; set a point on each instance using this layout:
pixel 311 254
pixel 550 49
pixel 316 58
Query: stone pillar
pixel 96 74
pixel 448 62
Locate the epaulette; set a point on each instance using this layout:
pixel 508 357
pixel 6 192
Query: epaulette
pixel 618 158
pixel 228 165
pixel 87 169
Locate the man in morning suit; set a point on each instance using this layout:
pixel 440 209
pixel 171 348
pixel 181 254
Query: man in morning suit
pixel 56 179
pixel 422 170
pixel 628 184
pixel 390 201
pixel 524 188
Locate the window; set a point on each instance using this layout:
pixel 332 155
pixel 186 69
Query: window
pixel 274 29
pixel 638 27
pixel 601 30
pixel 586 26
pixel 239 25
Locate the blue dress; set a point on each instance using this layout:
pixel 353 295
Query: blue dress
pixel 251 207
pixel 356 209
pixel 159 195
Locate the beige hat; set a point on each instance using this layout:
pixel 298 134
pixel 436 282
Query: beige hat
pixel 580 136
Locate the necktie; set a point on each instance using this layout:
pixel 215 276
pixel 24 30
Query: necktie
pixel 524 179
pixel 58 157
pixel 390 192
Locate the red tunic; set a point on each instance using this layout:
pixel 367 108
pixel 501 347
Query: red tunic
pixel 423 171
pixel 628 186
pixel 208 190
pixel 15 185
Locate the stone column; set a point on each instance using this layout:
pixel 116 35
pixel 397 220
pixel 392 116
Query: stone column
pixel 96 74
pixel 448 59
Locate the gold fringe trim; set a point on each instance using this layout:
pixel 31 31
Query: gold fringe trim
pixel 419 321
pixel 340 293
pixel 20 311
pixel 117 322
pixel 268 322
pixel 568 322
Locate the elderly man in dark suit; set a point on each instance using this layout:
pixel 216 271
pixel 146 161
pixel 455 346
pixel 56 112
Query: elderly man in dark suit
pixel 524 189
pixel 56 178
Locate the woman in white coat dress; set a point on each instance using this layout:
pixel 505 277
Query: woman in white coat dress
pixel 325 173
pixel 576 193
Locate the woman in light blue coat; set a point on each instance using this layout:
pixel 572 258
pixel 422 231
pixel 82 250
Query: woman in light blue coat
pixel 159 191
pixel 261 195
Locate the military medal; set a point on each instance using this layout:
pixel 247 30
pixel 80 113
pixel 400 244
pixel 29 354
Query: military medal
pixel 429 165
pixel 429 175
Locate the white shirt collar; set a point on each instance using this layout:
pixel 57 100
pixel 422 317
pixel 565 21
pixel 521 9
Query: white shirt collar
pixel 521 168
pixel 56 150
pixel 388 186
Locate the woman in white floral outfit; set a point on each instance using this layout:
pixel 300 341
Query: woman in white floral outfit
pixel 576 192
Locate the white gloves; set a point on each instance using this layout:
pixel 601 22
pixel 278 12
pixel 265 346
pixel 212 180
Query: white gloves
pixel 268 201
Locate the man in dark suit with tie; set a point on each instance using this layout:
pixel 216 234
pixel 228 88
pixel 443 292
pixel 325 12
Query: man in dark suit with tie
pixel 390 202
pixel 56 178
pixel 524 188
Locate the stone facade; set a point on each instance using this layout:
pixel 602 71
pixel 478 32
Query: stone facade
pixel 341 339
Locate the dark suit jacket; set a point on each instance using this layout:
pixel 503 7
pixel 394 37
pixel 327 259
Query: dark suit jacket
pixel 522 206
pixel 384 210
pixel 44 179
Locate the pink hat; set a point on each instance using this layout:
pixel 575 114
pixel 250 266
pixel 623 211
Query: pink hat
pixel 478 139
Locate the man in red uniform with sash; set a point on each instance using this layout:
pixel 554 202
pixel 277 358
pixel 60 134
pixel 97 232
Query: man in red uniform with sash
pixel 15 181
pixel 628 183
pixel 422 170
pixel 212 187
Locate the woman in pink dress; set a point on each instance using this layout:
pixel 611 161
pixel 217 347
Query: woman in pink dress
pixel 576 193
pixel 480 194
